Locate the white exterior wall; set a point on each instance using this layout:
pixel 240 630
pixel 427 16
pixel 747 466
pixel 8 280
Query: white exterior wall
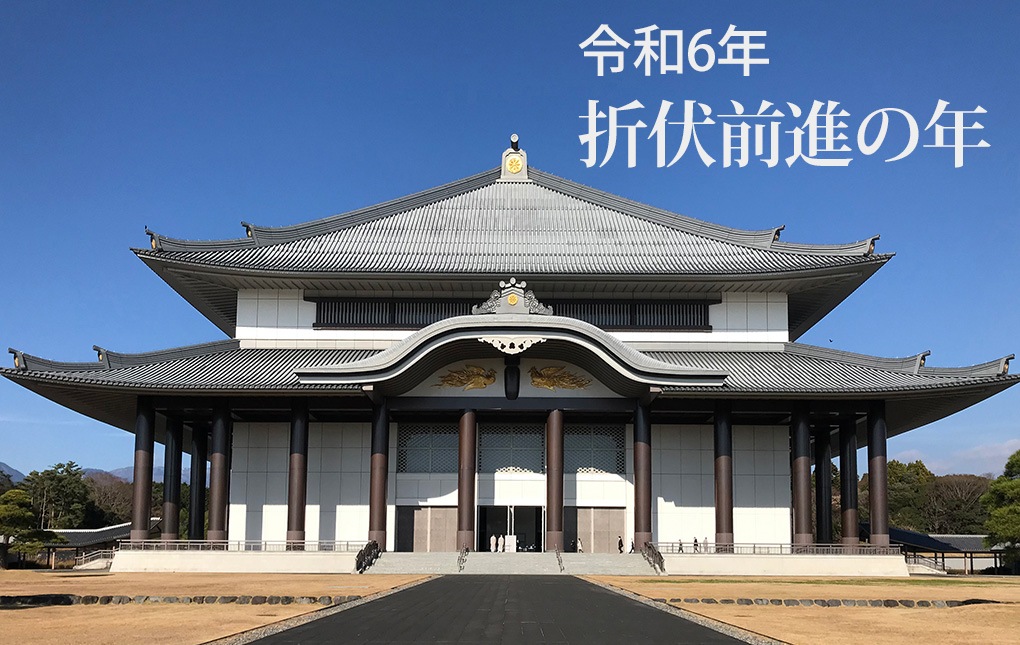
pixel 683 484
pixel 338 482
pixel 281 318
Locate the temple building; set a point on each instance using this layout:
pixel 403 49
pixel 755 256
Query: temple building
pixel 511 354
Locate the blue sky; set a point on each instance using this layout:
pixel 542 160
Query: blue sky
pixel 190 117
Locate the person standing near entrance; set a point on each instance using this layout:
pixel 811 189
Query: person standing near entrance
pixel 501 545
pixel 619 543
pixel 492 543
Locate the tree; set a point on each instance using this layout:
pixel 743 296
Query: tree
pixel 952 505
pixel 1002 501
pixel 908 490
pixel 19 530
pixel 110 498
pixel 5 482
pixel 59 496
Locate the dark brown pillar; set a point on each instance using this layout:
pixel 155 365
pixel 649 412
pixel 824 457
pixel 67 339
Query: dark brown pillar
pixel 468 440
pixel 554 481
pixel 848 481
pixel 723 474
pixel 172 479
pixel 878 486
pixel 642 476
pixel 800 436
pixel 145 423
pixel 219 472
pixel 379 474
pixel 297 483
pixel 199 456
pixel 823 485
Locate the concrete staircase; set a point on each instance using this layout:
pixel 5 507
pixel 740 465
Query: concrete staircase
pixel 512 564
pixel 484 563
pixel 607 564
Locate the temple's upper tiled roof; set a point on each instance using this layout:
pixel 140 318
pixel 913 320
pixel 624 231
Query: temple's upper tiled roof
pixel 481 225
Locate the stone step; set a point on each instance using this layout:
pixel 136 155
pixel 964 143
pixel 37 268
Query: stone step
pixel 512 564
pixel 484 563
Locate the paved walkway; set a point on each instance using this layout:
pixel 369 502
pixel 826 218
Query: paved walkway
pixel 501 609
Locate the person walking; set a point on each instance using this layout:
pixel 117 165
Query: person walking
pixel 580 546
pixel 492 543
pixel 632 546
pixel 502 544
pixel 619 543
pixel 695 545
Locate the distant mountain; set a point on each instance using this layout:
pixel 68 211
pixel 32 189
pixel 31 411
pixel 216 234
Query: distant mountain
pixel 16 475
pixel 89 472
pixel 128 474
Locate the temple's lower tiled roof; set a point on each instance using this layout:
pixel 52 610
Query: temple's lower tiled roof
pixel 227 367
pixel 216 367
pixel 805 369
pixel 106 390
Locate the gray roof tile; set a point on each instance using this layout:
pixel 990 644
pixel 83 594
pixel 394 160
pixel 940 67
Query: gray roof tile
pixel 482 226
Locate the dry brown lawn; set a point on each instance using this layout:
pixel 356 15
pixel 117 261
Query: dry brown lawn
pixel 992 624
pixel 165 624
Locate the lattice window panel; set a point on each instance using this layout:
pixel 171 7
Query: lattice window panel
pixel 594 449
pixel 426 448
pixel 511 448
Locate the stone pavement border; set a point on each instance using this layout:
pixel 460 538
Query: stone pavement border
pixel 733 631
pixel 252 635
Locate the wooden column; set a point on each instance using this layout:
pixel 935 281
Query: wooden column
pixel 219 472
pixel 878 483
pixel 145 424
pixel 379 474
pixel 199 456
pixel 848 481
pixel 642 476
pixel 466 461
pixel 800 435
pixel 723 474
pixel 297 483
pixel 823 485
pixel 554 481
pixel 172 479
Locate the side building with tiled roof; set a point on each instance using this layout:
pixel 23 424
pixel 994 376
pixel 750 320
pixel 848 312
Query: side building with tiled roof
pixel 511 354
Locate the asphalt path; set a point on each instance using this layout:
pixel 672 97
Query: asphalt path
pixel 501 609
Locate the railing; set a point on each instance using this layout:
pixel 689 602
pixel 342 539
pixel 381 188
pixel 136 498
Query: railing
pixel 931 563
pixel 82 560
pixel 653 557
pixel 691 548
pixel 342 546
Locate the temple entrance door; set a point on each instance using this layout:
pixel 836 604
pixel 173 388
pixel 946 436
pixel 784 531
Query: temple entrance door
pixel 523 522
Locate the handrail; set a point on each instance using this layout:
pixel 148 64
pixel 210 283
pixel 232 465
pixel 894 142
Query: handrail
pixel 653 557
pixel 931 563
pixel 85 558
pixel 708 548
pixel 342 546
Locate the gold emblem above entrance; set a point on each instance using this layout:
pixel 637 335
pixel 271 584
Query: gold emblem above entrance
pixel 514 165
pixel 512 299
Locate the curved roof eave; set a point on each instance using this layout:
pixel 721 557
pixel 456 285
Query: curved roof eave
pixel 626 361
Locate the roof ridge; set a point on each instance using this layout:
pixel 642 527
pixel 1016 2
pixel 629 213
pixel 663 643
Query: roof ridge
pixel 108 360
pixel 909 365
pixel 766 239
pixel 259 236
